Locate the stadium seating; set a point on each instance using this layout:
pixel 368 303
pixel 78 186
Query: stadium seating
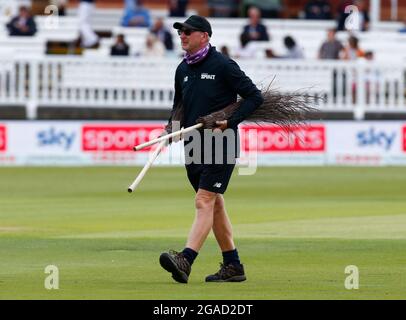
pixel 97 80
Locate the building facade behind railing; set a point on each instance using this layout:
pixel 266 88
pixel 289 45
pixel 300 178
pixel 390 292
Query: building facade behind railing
pixel 355 87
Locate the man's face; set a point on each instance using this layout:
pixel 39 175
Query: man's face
pixel 254 15
pixel 191 40
pixel 24 13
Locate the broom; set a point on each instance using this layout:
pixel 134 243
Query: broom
pixel 283 109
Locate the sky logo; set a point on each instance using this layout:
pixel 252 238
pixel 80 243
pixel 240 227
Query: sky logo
pixel 373 137
pixel 52 137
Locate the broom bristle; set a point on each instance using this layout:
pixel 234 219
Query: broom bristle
pixel 283 109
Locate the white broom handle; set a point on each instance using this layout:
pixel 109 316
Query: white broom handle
pixel 144 170
pixel 167 136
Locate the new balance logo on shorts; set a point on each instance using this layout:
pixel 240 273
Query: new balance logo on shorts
pixel 217 185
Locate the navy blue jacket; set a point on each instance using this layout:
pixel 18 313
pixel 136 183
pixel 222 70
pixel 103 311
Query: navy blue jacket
pixel 209 86
pixel 212 84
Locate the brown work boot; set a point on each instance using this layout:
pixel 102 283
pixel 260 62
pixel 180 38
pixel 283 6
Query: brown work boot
pixel 228 273
pixel 175 263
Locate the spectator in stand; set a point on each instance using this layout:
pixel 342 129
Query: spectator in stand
pixel 255 30
pixel 294 51
pixel 223 8
pixel 318 10
pixel 23 24
pixel 352 51
pixel 331 48
pixel 120 48
pixel 89 38
pixel 61 4
pixel 162 33
pixel 268 8
pixel 177 8
pixel 136 16
pixel 153 47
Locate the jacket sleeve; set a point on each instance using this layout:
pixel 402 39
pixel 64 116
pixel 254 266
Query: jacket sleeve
pixel 243 86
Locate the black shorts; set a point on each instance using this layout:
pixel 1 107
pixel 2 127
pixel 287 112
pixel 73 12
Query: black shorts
pixel 210 177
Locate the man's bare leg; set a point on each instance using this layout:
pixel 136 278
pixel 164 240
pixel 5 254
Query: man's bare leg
pixel 222 228
pixel 203 222
pixel 210 214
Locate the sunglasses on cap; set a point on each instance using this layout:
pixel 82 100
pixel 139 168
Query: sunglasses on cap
pixel 187 32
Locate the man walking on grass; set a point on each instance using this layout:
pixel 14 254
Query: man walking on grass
pixel 205 82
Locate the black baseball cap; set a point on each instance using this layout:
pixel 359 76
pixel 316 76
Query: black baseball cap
pixel 194 22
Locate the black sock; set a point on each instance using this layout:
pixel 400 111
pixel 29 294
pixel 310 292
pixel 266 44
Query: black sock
pixel 190 255
pixel 231 257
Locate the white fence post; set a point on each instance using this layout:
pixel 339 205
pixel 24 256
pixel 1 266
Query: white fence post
pixel 360 92
pixel 32 103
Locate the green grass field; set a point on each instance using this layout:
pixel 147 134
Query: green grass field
pixel 296 230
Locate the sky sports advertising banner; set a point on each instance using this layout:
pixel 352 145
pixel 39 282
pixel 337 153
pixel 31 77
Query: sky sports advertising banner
pixel 111 143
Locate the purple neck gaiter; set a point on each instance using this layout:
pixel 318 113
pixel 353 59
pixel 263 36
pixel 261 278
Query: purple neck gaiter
pixel 198 56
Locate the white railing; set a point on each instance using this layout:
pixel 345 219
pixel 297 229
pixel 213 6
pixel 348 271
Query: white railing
pixel 356 87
